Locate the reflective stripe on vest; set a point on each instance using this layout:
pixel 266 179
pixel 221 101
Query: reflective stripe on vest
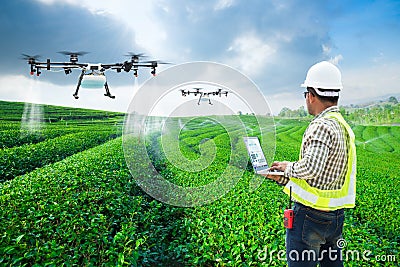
pixel 329 199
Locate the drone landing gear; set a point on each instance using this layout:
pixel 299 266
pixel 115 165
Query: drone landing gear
pixel 209 100
pixel 108 91
pixel 79 84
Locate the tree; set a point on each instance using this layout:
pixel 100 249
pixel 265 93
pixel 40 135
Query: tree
pixel 301 112
pixel 393 100
pixel 285 112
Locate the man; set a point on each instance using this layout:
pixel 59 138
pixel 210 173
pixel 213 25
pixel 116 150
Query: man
pixel 322 181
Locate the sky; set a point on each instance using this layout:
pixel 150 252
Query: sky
pixel 272 42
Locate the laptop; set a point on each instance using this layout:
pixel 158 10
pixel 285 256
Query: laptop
pixel 257 158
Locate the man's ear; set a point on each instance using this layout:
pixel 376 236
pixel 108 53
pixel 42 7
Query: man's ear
pixel 311 97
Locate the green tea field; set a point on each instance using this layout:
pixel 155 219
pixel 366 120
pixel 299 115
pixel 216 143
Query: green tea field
pixel 69 198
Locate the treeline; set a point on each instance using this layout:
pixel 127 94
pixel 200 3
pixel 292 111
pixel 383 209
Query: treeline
pixel 378 114
pixel 297 113
pixel 384 112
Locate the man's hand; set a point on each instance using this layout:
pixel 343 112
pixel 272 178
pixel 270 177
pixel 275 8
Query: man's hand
pixel 279 166
pixel 274 177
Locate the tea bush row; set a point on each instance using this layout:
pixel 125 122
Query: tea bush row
pixel 13 138
pixel 20 160
pixel 86 210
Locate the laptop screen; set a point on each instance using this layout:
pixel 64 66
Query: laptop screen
pixel 256 154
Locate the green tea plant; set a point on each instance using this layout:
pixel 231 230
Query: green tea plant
pixel 87 208
pixel 19 160
pixel 13 138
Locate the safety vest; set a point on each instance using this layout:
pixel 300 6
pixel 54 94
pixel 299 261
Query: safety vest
pixel 329 199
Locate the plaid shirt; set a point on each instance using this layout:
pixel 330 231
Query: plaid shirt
pixel 323 162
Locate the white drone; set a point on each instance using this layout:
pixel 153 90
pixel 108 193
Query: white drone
pixel 92 75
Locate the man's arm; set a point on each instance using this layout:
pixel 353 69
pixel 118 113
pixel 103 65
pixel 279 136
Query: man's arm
pixel 314 156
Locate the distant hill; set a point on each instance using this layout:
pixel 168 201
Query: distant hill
pixel 372 100
pixel 391 100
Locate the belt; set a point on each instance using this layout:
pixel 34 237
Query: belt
pixel 302 205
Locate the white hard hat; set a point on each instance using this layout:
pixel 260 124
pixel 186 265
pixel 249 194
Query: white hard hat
pixel 326 76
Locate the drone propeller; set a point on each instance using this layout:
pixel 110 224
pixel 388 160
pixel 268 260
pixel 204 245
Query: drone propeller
pixel 131 54
pixel 70 53
pixel 73 56
pixel 135 57
pixel 154 65
pixel 156 62
pixel 31 59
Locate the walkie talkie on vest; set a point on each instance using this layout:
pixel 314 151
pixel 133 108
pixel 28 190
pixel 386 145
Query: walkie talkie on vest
pixel 288 215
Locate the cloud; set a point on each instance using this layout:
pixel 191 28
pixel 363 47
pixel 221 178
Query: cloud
pixel 34 29
pixel 138 16
pixel 369 82
pixel 250 53
pixel 326 49
pixel 177 31
pixel 273 43
pixel 223 4
pixel 336 59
